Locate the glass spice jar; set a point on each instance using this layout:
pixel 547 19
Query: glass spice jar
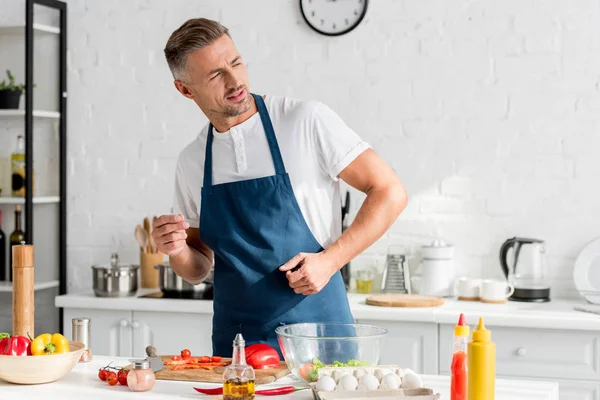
pixel 81 333
pixel 141 378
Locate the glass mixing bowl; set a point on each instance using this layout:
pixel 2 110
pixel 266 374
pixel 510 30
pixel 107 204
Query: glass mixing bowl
pixel 308 346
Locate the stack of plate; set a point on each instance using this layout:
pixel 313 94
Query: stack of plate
pixel 586 272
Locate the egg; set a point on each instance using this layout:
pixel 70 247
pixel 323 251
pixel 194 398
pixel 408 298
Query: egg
pixel 410 380
pixel 390 381
pixel 368 382
pixel 347 383
pixel 325 384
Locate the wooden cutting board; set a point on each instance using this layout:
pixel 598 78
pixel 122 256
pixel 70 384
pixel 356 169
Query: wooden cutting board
pixel 216 375
pixel 404 300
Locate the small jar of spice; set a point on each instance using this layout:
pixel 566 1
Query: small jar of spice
pixel 141 378
pixel 81 333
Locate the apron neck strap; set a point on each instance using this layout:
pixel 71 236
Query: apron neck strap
pixel 271 139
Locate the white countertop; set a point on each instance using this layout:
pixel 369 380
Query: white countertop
pixel 83 383
pixel 556 314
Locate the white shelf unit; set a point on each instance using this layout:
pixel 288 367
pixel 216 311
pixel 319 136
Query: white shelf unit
pixel 36 200
pixel 36 113
pixel 7 286
pixel 37 29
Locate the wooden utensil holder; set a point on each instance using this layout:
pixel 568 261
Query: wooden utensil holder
pixel 23 302
pixel 149 274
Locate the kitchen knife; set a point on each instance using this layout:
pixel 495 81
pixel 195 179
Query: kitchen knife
pixel 156 363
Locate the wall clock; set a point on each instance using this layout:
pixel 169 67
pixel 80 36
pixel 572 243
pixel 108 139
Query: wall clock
pixel 333 17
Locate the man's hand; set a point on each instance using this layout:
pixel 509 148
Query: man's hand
pixel 313 273
pixel 169 234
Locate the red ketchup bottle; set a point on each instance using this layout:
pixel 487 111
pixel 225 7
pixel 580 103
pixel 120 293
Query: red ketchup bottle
pixel 458 379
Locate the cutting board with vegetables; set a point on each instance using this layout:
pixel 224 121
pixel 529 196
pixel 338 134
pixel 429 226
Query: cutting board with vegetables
pixel 404 300
pixel 215 374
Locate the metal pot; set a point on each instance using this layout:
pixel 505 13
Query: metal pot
pixel 174 286
pixel 115 280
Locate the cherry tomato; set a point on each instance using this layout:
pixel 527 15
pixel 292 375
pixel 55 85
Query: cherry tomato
pixel 176 358
pixel 103 374
pixel 204 359
pixel 112 379
pixel 122 377
pixel 216 358
pixel 186 354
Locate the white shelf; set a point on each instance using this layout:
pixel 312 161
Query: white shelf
pixel 36 113
pixel 36 200
pixel 7 286
pixel 37 28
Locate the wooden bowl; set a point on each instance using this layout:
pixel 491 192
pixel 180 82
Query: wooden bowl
pixel 32 370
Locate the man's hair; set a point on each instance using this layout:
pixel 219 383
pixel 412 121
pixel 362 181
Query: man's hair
pixel 194 34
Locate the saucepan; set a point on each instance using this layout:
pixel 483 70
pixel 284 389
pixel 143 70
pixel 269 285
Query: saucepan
pixel 174 286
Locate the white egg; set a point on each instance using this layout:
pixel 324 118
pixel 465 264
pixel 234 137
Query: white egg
pixel 405 371
pixel 379 374
pixel 347 383
pixel 410 380
pixel 368 382
pixel 325 384
pixel 390 382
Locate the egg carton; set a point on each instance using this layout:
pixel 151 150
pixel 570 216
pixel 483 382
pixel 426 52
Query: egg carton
pixel 412 383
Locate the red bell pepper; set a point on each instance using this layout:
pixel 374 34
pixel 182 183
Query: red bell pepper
pixel 262 356
pixel 15 346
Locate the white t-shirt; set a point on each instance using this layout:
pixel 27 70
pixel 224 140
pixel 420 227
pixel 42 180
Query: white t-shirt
pixel 315 144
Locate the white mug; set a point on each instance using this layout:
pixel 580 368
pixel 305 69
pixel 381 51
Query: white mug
pixel 467 289
pixel 493 291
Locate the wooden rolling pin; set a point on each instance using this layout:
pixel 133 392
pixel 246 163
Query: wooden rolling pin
pixel 23 307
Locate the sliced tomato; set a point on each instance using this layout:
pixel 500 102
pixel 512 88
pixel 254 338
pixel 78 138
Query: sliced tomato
pixel 204 359
pixel 176 358
pixel 216 359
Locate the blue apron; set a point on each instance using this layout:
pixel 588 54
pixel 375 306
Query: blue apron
pixel 253 227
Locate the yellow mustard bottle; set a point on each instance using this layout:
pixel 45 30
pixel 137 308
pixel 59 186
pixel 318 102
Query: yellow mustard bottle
pixel 481 356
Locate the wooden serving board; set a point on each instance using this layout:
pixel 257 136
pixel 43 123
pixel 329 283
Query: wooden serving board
pixel 404 300
pixel 216 375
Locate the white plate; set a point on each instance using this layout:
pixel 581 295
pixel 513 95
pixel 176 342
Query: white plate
pixel 586 272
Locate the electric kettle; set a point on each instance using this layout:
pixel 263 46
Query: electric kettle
pixel 525 269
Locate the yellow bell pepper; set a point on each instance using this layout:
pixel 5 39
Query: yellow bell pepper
pixel 47 344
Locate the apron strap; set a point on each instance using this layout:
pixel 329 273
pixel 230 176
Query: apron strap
pixel 270 132
pixel 271 139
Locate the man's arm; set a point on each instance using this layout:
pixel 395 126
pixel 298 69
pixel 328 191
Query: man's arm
pixel 386 198
pixel 189 257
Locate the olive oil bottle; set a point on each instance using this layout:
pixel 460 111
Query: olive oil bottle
pixel 17 165
pixel 239 377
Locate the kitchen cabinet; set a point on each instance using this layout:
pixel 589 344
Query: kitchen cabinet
pixel 110 332
pixel 573 390
pixel 171 332
pixel 410 344
pixel 537 353
pixel 120 333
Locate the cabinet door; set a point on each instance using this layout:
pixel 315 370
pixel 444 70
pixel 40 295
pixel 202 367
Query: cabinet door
pixel 110 330
pixel 573 390
pixel 410 345
pixel 171 332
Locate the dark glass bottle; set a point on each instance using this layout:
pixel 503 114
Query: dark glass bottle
pixel 16 238
pixel 3 269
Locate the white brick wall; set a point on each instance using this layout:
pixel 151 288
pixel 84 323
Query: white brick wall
pixel 487 110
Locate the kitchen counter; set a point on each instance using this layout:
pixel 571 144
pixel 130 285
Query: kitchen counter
pixel 83 382
pixel 556 314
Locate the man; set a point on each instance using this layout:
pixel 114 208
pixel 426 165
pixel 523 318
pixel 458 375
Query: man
pixel 258 192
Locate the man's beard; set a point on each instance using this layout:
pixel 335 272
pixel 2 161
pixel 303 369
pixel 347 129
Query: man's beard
pixel 244 106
